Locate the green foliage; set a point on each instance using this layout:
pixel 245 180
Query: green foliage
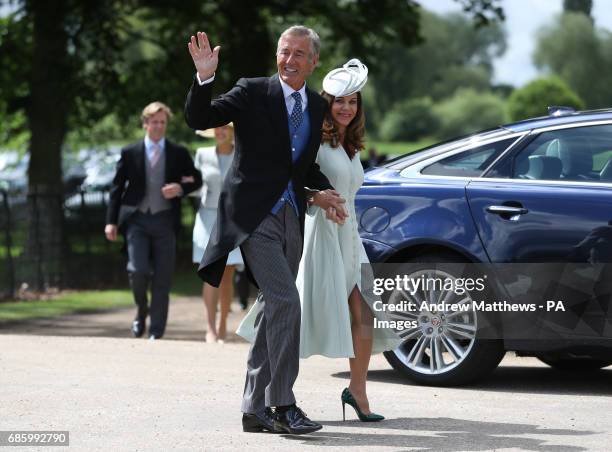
pixel 14 133
pixel 533 99
pixel 399 147
pixel 123 54
pixel 14 59
pixel 410 120
pixel 108 129
pixel 578 6
pixel 374 116
pixel 453 54
pixel 469 111
pixel 574 50
pixel 483 12
pixel 117 56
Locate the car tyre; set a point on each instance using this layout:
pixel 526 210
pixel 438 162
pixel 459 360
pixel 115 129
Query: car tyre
pixel 475 357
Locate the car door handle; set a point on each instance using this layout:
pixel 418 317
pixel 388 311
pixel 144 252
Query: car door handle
pixel 507 210
pixel 512 213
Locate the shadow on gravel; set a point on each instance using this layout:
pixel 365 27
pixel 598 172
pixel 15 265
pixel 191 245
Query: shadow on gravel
pixel 441 434
pixel 75 324
pixel 186 321
pixel 531 380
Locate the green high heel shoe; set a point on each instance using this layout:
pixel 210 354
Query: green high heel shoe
pixel 347 397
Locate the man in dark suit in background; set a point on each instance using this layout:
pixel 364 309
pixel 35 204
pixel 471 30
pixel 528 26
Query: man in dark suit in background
pixel 277 123
pixel 145 205
pixel 373 159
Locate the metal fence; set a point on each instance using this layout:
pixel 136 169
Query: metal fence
pixel 81 259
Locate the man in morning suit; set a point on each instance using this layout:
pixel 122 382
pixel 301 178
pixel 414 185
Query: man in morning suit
pixel 277 124
pixel 145 205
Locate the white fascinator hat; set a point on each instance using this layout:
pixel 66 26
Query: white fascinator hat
pixel 348 79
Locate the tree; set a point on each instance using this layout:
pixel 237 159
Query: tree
pixel 469 111
pixel 578 6
pixel 410 120
pixel 484 12
pixel 58 54
pixel 580 54
pixel 453 54
pixel 533 99
pixel 68 63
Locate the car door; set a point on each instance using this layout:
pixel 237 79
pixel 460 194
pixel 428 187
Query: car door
pixel 554 206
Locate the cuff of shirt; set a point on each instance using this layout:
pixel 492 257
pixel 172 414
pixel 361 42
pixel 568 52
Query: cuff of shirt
pixel 208 80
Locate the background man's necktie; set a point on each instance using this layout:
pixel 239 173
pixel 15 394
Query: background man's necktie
pixel 155 155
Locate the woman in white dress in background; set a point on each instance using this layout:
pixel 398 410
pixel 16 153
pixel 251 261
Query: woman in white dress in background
pixel 336 321
pixel 213 162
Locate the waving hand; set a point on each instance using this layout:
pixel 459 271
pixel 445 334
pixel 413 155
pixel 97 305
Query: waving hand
pixel 204 59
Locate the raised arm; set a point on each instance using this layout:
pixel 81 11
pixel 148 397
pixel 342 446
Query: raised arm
pixel 201 112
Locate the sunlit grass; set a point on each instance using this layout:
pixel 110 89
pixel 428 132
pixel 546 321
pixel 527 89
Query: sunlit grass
pixel 186 283
pixel 399 148
pixel 65 303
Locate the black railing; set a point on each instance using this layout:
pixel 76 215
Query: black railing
pixel 7 257
pixel 81 258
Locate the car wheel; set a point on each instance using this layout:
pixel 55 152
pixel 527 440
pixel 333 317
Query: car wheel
pixel 444 349
pixel 574 363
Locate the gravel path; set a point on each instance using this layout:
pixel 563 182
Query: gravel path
pixel 86 375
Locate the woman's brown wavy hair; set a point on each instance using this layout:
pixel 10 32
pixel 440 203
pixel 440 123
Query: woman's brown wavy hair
pixel 353 138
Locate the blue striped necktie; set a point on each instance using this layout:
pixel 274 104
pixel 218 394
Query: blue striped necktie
pixel 297 115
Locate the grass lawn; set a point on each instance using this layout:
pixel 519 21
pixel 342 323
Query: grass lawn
pixel 399 148
pixel 15 252
pixel 185 284
pixel 65 303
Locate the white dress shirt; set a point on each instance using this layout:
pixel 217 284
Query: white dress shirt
pixel 290 101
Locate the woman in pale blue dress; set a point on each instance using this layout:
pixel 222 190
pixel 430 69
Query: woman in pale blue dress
pixel 213 163
pixel 336 321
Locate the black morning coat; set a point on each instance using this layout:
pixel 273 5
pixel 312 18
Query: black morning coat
pixel 129 185
pixel 262 165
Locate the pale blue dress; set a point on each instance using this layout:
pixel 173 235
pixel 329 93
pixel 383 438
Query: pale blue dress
pixel 214 168
pixel 329 270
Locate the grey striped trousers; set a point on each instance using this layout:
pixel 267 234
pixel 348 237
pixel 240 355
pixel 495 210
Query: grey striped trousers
pixel 273 254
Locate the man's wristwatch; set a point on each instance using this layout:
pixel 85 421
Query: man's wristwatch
pixel 310 193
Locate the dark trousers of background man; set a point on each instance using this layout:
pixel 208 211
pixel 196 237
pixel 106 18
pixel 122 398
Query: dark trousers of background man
pixel 151 245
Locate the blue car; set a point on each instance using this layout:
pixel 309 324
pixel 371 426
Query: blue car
pixel 532 192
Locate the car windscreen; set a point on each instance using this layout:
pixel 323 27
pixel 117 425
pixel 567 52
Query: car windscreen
pixel 407 160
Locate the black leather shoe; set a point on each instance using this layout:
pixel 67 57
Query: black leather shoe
pixel 138 326
pixel 262 421
pixel 294 421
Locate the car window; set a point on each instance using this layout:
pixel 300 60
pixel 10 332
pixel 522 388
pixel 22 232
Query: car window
pixel 581 154
pixel 404 161
pixel 468 163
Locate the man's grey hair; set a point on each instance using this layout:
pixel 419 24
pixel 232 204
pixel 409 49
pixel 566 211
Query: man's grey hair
pixel 301 30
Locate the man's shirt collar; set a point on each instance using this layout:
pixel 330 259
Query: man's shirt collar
pixel 149 143
pixel 288 91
